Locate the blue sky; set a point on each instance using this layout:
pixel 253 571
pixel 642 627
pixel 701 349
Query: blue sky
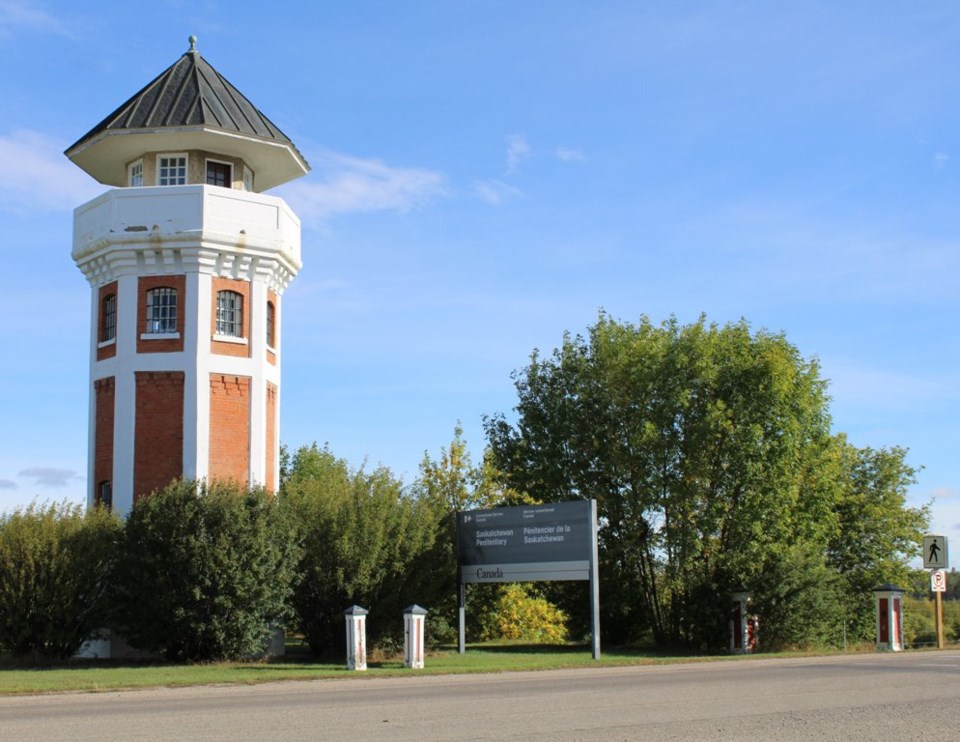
pixel 487 175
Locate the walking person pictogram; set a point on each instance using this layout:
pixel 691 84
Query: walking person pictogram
pixel 934 552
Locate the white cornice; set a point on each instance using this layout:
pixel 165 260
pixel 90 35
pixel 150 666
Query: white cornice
pixel 187 229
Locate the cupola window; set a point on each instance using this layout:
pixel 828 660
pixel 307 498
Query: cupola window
pixel 136 173
pixel 219 174
pixel 172 170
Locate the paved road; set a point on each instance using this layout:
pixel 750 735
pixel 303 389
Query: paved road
pixel 912 696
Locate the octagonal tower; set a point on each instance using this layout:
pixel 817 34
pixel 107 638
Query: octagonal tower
pixel 188 261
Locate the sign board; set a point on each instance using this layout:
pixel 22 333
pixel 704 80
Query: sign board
pixel 935 552
pixel 527 543
pixel 938 581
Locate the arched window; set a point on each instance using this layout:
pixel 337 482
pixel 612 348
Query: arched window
pixel 161 310
pixel 229 313
pixel 108 318
pixel 104 496
pixel 271 326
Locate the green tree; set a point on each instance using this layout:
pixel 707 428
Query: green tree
pixel 448 485
pixel 708 449
pixel 875 530
pixel 363 540
pixel 204 571
pixel 54 566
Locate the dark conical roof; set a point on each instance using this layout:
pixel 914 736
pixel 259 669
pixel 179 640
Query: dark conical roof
pixel 189 95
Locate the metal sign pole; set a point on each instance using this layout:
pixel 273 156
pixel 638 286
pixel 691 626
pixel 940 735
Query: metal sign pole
pixel 594 583
pixel 461 598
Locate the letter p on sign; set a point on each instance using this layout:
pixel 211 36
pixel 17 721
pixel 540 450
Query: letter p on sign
pixel 938 581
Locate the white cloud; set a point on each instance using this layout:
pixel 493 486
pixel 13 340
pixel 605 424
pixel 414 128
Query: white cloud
pixel 568 154
pixel 940 160
pixel 19 16
pixel 944 493
pixel 49 477
pixel 517 150
pixel 7 484
pixel 495 191
pixel 352 184
pixel 39 177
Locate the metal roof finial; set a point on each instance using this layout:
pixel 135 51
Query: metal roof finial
pixel 193 44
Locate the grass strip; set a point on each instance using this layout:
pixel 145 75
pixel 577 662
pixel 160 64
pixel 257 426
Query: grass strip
pixel 110 675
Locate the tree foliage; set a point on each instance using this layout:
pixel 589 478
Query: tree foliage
pixel 204 571
pixel 447 485
pixel 710 454
pixel 54 565
pixel 363 541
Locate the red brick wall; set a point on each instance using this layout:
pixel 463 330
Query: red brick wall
pixel 107 351
pixel 146 283
pixel 158 444
pixel 271 483
pixel 104 393
pixel 226 348
pixel 230 428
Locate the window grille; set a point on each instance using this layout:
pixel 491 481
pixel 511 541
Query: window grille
pixel 271 339
pixel 172 171
pixel 229 313
pixel 136 173
pixel 161 310
pixel 108 324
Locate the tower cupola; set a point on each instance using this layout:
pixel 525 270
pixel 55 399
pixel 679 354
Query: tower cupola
pixel 188 107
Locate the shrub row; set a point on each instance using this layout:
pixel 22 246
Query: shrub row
pixel 201 572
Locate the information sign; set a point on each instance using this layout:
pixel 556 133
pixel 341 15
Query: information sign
pixel 530 543
pixel 527 543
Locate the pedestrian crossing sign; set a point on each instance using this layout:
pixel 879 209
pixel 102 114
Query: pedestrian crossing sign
pixel 935 552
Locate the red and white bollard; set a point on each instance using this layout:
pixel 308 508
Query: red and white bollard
pixel 356 637
pixel 889 602
pixel 744 628
pixel 414 618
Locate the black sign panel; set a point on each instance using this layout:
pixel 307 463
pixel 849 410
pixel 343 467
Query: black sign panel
pixel 528 542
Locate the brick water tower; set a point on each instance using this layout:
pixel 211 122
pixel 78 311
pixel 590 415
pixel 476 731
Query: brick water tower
pixel 188 260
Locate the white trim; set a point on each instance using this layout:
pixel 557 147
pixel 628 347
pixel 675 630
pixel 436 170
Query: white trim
pixel 160 336
pixel 229 339
pixel 105 343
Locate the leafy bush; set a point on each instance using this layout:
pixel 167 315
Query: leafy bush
pixel 920 621
pixel 519 613
pixel 203 571
pixel 363 542
pixel 54 564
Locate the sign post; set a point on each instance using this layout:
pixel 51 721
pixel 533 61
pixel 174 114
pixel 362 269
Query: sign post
pixel 530 543
pixel 935 557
